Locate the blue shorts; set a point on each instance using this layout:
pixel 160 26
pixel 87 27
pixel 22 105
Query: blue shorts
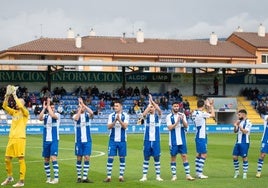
pixel 264 148
pixel 201 145
pixel 119 148
pixel 50 148
pixel 241 150
pixel 151 148
pixel 83 148
pixel 178 149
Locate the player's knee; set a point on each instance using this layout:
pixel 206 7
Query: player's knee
pixel 157 158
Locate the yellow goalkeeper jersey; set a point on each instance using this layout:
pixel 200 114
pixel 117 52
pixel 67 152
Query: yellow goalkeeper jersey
pixel 19 119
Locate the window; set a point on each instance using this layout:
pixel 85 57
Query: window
pixel 264 58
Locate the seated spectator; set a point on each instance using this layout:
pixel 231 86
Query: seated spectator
pixel 33 99
pixel 62 91
pixel 37 110
pixel 186 105
pixel 101 105
pixel 136 91
pixel 164 102
pixel 95 91
pixel 145 91
pixel 79 91
pixel 135 109
pixel 60 109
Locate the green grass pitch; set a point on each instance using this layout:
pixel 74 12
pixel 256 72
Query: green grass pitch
pixel 218 165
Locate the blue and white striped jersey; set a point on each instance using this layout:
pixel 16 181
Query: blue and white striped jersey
pixel 51 128
pixel 199 118
pixel 176 136
pixel 117 133
pixel 152 124
pixel 82 128
pixel 265 130
pixel 244 138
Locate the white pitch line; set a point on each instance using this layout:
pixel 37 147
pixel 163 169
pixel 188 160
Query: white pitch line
pixel 99 154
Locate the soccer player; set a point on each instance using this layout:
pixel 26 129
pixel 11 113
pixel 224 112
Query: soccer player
pixel 177 126
pixel 264 147
pixel 151 145
pixel 50 139
pixel 117 124
pixel 17 138
pixel 242 127
pixel 83 142
pixel 205 109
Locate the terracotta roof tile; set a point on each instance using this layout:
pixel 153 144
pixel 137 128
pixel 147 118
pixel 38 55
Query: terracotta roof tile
pixel 129 46
pixel 253 39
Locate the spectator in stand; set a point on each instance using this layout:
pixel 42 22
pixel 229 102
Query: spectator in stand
pixel 164 102
pixel 135 109
pixel 262 108
pixel 129 92
pixel 145 91
pixel 33 99
pixel 88 91
pixel 45 94
pixel 121 92
pixel 101 105
pixel 56 91
pixel 37 110
pixel 95 91
pixel 60 109
pixel 62 91
pixel 136 91
pixel 186 104
pixel 79 91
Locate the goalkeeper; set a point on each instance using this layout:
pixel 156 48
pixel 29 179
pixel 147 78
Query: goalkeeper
pixel 17 136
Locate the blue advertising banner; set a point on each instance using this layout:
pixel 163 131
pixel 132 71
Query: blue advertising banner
pixel 102 129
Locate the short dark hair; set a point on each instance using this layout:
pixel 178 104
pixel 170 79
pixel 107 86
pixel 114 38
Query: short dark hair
pixel 200 103
pixel 243 111
pixel 175 102
pixel 118 101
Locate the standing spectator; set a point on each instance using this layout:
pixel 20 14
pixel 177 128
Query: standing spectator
pixel 117 124
pixel 151 144
pixel 83 142
pixel 50 139
pixel 242 127
pixel 264 147
pixel 17 137
pixel 199 117
pixel 216 85
pixel 177 126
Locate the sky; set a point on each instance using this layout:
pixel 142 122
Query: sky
pixel 27 20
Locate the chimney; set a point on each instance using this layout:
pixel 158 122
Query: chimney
pixel 239 29
pixel 92 32
pixel 70 33
pixel 78 41
pixel 213 39
pixel 140 36
pixel 261 31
